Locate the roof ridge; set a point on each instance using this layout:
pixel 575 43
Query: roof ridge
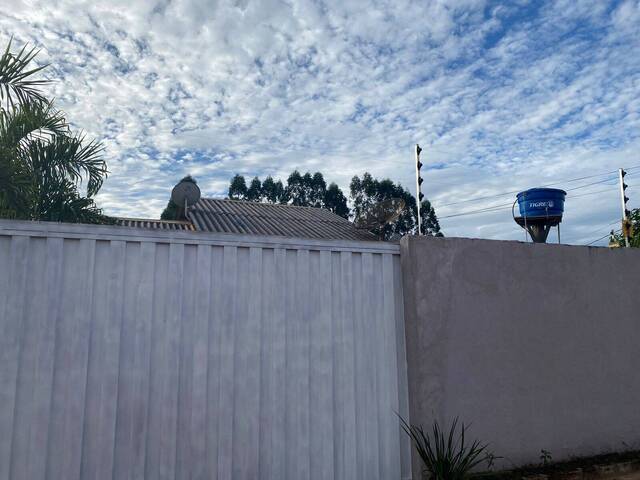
pixel 139 219
pixel 237 200
pixel 305 220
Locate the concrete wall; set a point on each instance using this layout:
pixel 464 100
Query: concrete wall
pixel 131 353
pixel 538 346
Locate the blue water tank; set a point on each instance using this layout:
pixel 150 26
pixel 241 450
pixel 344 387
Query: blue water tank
pixel 541 202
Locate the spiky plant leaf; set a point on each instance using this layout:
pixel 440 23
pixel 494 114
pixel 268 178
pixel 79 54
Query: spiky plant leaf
pixel 445 456
pixel 19 125
pixel 42 164
pixel 17 87
pixel 68 158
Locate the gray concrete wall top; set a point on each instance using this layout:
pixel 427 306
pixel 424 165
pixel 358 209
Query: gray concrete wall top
pixel 536 345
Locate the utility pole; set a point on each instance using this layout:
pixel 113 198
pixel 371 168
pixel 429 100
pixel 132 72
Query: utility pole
pixel 419 195
pixel 626 224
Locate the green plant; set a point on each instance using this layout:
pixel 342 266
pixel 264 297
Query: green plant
pixel 446 456
pixel 545 457
pixel 491 460
pixel 634 236
pixel 42 162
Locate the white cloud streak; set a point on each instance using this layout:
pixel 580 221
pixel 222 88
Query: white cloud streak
pixel 501 98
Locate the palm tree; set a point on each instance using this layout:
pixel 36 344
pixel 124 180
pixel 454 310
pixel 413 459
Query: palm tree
pixel 42 162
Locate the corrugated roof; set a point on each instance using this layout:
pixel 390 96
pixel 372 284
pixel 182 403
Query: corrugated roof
pixel 253 218
pixel 157 224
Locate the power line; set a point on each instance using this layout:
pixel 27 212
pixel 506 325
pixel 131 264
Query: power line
pixel 493 208
pixel 544 186
pixel 590 184
pixel 607 227
pixel 592 193
pixel 603 237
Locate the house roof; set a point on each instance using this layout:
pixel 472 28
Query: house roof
pixel 253 218
pixel 157 224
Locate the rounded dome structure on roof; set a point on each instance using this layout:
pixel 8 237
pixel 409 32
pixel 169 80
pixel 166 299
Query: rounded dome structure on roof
pixel 185 193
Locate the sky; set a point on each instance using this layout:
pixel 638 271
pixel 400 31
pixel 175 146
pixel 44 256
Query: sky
pixel 501 96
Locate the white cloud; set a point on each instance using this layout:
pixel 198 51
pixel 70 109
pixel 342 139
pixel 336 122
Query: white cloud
pixel 504 97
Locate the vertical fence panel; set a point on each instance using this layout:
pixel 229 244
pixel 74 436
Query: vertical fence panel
pixel 44 306
pixel 368 354
pixel 104 361
pixel 214 361
pixel 228 308
pixel 320 375
pixel 273 364
pixel 26 381
pixel 129 353
pixel 199 380
pixel 11 324
pixel 71 361
pixel 247 352
pixel 132 302
pixel 187 319
pixel 158 367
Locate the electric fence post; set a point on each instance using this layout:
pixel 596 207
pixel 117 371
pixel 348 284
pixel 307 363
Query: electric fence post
pixel 419 195
pixel 626 224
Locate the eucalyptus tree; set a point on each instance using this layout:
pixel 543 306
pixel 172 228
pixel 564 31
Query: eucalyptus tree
pixel 272 191
pixel 367 191
pixel 254 192
pixel 302 190
pixel 238 188
pixel 42 162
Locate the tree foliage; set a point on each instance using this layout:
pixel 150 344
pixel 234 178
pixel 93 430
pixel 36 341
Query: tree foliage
pixel 634 242
pixel 272 192
pixel 301 190
pixel 367 191
pixel 311 190
pixel 336 201
pixel 42 162
pixel 254 192
pixel 19 88
pixel 238 188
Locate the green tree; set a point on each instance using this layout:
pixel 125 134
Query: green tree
pixel 317 189
pixel 42 162
pixel 634 242
pixel 367 191
pixel 238 188
pixel 301 190
pixel 430 224
pixel 335 201
pixel 254 192
pixel 173 211
pixel 297 189
pixel 272 192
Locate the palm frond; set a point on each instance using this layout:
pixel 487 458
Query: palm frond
pixel 58 201
pixel 17 88
pixel 19 125
pixel 68 158
pixel 15 186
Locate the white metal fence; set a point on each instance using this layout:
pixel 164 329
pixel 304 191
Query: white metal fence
pixel 130 353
